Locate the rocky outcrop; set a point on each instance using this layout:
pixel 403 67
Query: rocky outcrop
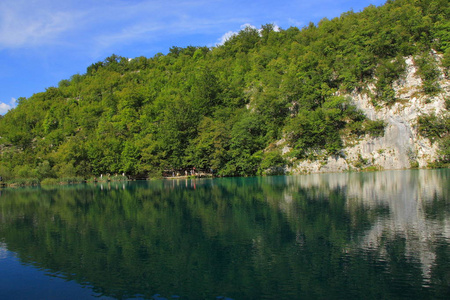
pixel 401 146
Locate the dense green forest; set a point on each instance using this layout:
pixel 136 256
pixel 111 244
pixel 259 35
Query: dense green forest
pixel 224 108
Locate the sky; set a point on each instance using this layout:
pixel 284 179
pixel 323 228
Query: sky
pixel 45 41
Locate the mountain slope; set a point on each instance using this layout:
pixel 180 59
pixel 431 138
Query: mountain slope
pixel 238 108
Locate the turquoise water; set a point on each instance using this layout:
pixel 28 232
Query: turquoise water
pixel 321 236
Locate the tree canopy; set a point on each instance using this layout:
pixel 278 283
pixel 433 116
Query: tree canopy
pixel 224 108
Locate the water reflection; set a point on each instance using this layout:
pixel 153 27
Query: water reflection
pixel 3 251
pixel 417 203
pixel 352 235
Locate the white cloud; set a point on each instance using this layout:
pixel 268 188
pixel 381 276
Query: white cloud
pixel 4 108
pixel 104 24
pixel 100 26
pixel 149 20
pixel 25 23
pixel 31 23
pixel 230 34
pixel 296 23
pixel 243 26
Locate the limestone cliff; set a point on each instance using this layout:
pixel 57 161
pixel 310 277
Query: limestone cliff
pixel 401 146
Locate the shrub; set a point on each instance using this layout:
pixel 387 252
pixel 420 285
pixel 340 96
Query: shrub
pixel 272 164
pixel 374 127
pixel 23 181
pixel 429 74
pixel 49 181
pixel 433 127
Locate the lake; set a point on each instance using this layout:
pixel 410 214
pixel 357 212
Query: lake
pixel 380 235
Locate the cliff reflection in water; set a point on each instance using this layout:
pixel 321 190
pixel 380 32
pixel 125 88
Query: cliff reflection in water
pixel 416 202
pixel 360 235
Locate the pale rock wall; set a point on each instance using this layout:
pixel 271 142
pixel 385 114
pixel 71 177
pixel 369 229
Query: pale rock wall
pixel 401 144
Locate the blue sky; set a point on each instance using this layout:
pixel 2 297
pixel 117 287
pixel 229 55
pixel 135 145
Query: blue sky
pixel 45 41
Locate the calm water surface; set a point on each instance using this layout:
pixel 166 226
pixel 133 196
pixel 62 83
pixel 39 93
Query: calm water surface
pixel 383 235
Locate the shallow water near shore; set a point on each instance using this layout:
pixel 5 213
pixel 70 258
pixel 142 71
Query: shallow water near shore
pixel 320 236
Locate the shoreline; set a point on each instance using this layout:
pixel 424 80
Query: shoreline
pixel 30 182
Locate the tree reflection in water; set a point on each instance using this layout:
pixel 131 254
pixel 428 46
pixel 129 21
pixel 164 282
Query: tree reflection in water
pixel 360 235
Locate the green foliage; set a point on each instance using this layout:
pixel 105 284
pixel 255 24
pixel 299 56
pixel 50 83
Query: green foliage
pixel 6 173
pixel 272 163
pixel 387 72
pixel 437 129
pixel 446 61
pixel 429 73
pixel 374 127
pixel 433 127
pixel 309 132
pixel 445 150
pixel 49 181
pixel 220 108
pixel 23 182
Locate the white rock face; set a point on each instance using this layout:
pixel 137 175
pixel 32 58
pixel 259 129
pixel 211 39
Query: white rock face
pixel 401 144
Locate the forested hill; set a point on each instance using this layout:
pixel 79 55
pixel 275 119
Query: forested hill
pixel 233 107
